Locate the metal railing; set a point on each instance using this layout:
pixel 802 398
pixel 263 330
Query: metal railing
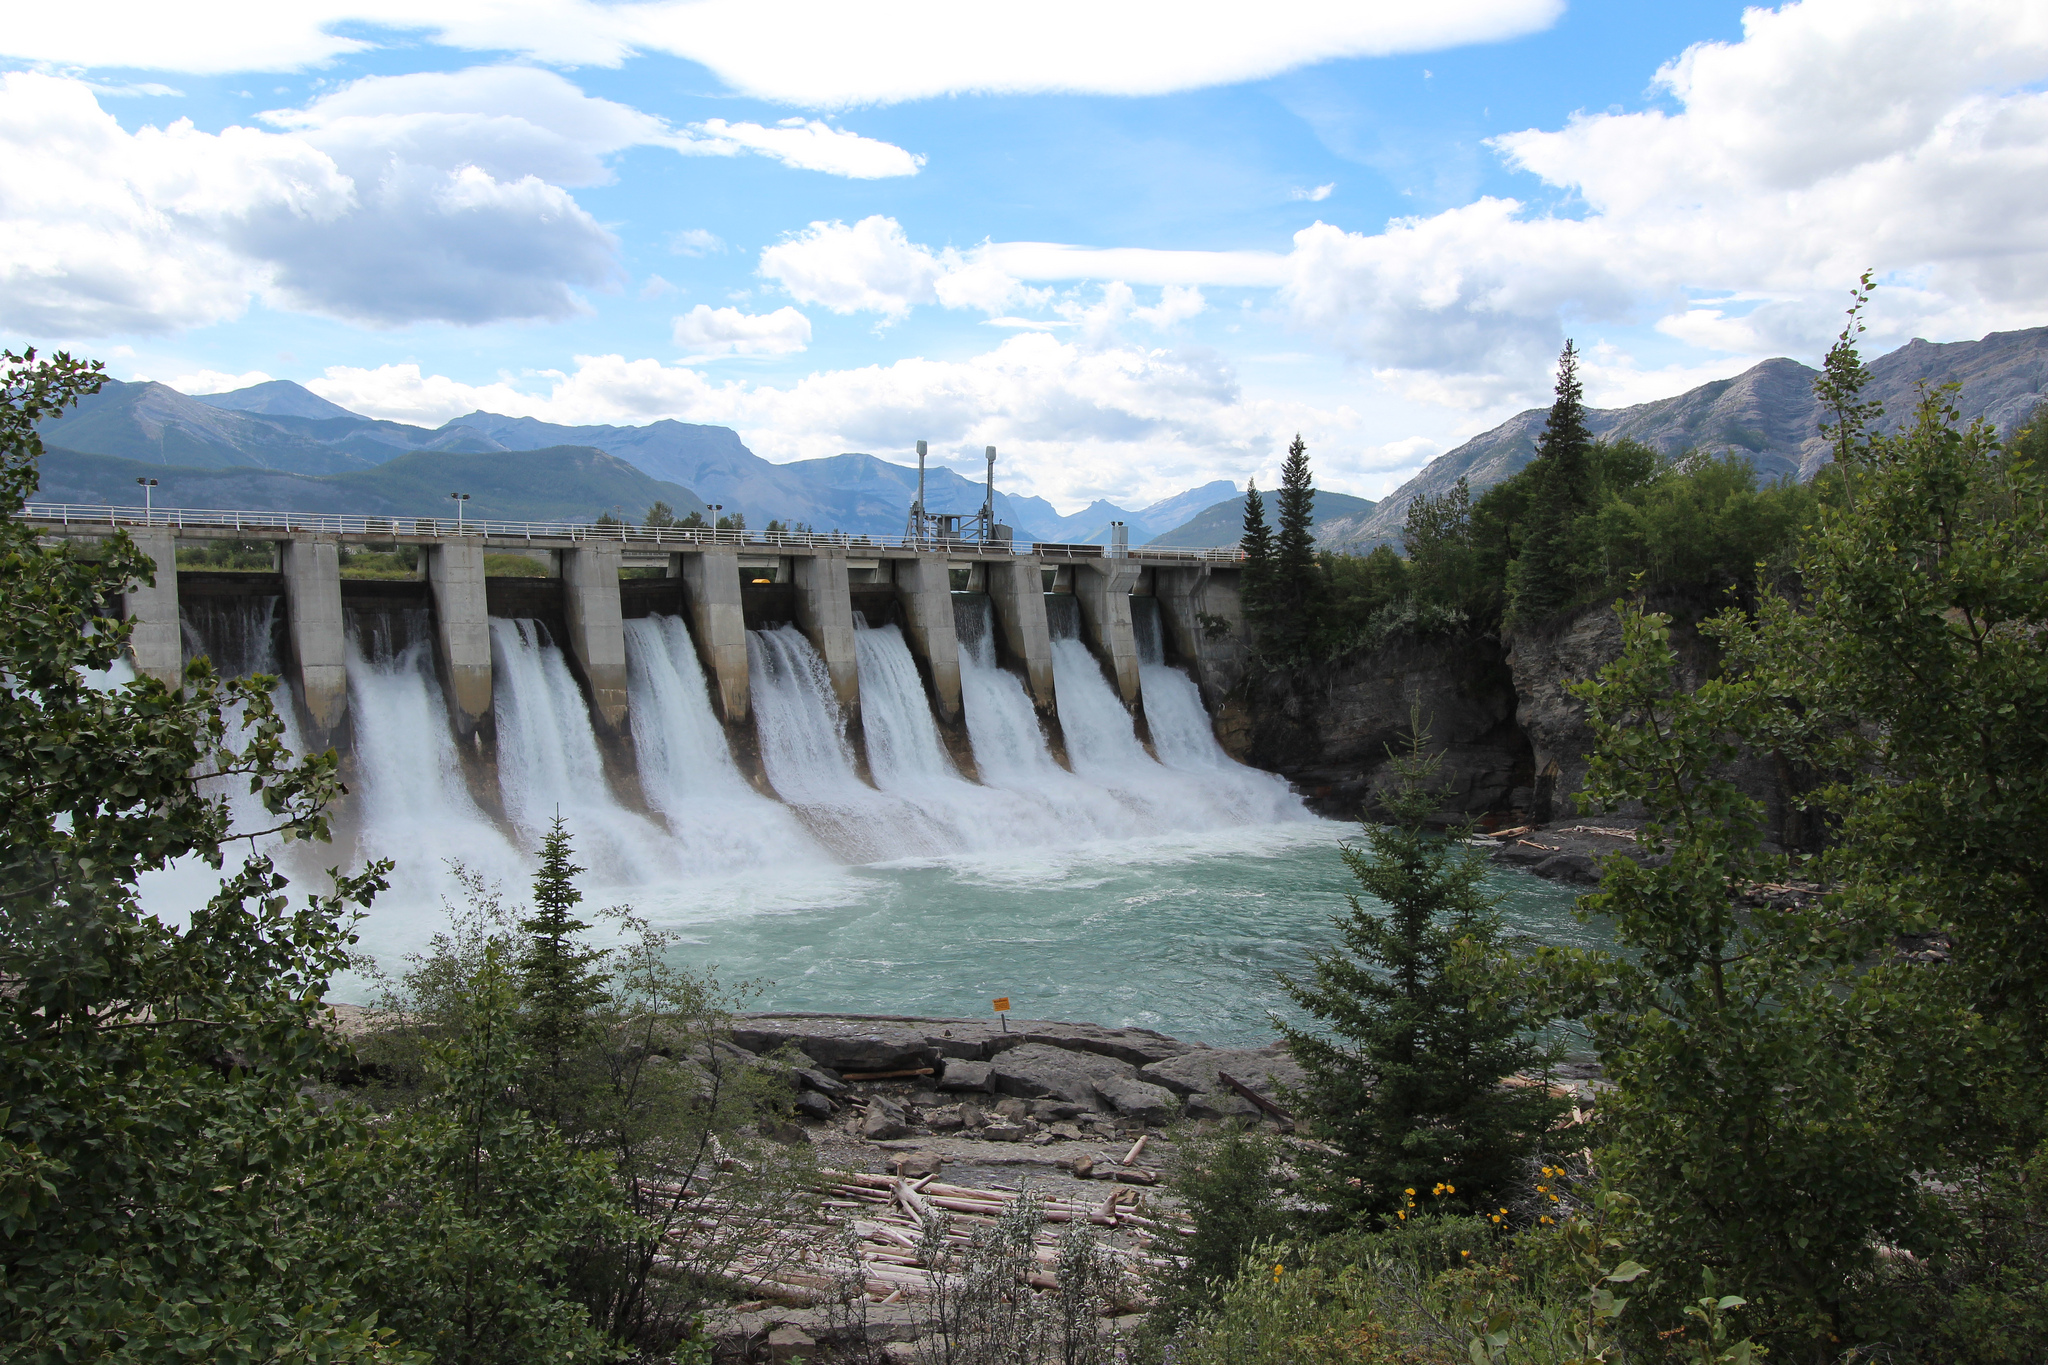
pixel 84 516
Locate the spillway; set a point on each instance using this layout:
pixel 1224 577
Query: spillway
pixel 411 802
pixel 719 822
pixel 549 762
pixel 1184 737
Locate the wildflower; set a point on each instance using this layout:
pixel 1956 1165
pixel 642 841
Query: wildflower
pixel 1464 1253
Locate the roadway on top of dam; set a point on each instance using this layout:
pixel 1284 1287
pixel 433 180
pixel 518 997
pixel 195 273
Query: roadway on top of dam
pixel 211 523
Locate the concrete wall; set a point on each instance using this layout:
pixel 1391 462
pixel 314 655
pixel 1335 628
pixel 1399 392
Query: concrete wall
pixel 1103 588
pixel 597 632
pixel 824 613
pixel 1185 597
pixel 156 641
pixel 462 633
pixel 312 590
pixel 926 591
pixel 1017 594
pixel 711 586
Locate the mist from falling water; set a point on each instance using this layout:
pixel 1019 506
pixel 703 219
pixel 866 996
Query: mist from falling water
pixel 719 822
pixel 549 762
pixel 909 759
pixel 810 763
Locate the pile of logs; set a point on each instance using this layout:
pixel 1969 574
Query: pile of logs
pixel 887 1217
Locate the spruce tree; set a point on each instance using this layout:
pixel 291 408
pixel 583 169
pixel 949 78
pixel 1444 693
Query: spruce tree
pixel 1297 579
pixel 1257 544
pixel 557 978
pixel 1542 582
pixel 1405 1087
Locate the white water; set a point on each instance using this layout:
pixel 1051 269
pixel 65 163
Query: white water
pixel 909 759
pixel 411 802
pixel 548 762
pixel 1182 734
pixel 811 765
pixel 719 822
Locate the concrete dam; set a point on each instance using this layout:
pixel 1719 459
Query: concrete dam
pixel 698 702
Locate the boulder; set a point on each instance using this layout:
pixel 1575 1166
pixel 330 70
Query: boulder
pixel 966 1076
pixel 1569 867
pixel 812 1105
pixel 1003 1130
pixel 790 1342
pixel 1139 1101
pixel 824 1082
pixel 1194 1075
pixel 882 1126
pixel 1039 1071
pixel 914 1165
pixel 843 1044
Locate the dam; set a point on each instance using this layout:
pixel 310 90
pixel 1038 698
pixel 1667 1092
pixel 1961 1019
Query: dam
pixel 695 698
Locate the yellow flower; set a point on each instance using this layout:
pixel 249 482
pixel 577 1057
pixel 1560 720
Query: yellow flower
pixel 1410 1190
pixel 1464 1253
pixel 1401 1214
pixel 1276 1272
pixel 1450 1189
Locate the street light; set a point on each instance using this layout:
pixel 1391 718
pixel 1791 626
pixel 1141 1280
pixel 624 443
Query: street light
pixel 714 508
pixel 460 498
pixel 147 509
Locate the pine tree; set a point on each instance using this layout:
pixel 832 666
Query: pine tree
pixel 1297 579
pixel 1257 544
pixel 556 975
pixel 1541 580
pixel 1408 1091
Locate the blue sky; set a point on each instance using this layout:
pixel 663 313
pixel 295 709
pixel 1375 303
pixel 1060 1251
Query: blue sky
pixel 1135 246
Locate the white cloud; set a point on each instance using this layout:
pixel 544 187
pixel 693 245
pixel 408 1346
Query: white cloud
pixel 695 242
pixel 807 146
pixel 707 331
pixel 873 267
pixel 214 381
pixel 1316 195
pixel 1073 422
pixel 808 53
pixel 168 228
pixel 656 287
pixel 516 120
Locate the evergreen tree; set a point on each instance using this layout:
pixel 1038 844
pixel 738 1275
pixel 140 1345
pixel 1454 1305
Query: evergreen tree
pixel 1408 1090
pixel 557 976
pixel 1542 578
pixel 1297 580
pixel 1257 544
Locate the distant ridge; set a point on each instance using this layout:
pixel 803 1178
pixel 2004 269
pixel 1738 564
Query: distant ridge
pixel 1223 523
pixel 1767 412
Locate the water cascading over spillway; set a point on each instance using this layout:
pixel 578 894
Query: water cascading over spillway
pixel 413 804
pixel 1010 748
pixel 1182 734
pixel 549 762
pixel 686 770
pixel 1102 744
pixel 239 634
pixel 909 759
pixel 810 764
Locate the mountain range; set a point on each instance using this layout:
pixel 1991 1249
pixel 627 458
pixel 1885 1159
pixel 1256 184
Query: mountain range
pixel 278 445
pixel 1768 413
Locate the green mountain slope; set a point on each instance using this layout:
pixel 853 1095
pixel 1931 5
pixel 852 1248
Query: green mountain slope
pixel 566 483
pixel 1222 524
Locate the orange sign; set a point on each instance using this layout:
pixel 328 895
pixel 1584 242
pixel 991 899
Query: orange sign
pixel 1003 1005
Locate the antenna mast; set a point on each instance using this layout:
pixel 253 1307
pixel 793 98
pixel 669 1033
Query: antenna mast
pixel 915 531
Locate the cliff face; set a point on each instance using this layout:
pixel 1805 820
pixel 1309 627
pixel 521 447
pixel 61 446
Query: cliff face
pixel 1330 729
pixel 1516 743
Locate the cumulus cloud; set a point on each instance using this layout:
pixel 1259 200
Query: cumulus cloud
pixel 1073 422
pixel 215 381
pixel 708 331
pixel 874 267
pixel 808 53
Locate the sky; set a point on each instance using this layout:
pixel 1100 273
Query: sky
pixel 1135 246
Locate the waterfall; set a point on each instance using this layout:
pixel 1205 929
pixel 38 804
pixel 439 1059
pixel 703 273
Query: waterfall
pixel 809 762
pixel 720 822
pixel 548 761
pixel 1146 630
pixel 413 804
pixel 909 759
pixel 239 634
pixel 1010 748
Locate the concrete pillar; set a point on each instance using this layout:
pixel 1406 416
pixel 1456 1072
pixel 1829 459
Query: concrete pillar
pixel 711 581
pixel 1017 592
pixel 312 595
pixel 824 613
pixel 156 640
pixel 925 590
pixel 462 629
pixel 1103 587
pixel 597 633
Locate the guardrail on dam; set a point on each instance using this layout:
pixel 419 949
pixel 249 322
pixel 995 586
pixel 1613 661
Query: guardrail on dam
pixel 720 582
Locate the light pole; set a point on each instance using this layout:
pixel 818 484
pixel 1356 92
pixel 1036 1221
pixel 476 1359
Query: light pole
pixel 714 508
pixel 460 498
pixel 148 510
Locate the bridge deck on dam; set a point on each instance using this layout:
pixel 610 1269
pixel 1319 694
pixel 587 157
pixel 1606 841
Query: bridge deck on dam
pixel 592 577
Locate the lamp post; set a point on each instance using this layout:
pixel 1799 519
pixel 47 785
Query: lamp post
pixel 148 510
pixel 714 508
pixel 460 498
